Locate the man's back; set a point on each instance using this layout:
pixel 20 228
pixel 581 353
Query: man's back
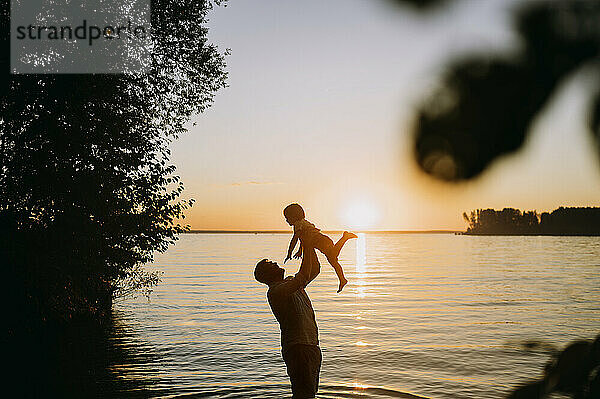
pixel 294 312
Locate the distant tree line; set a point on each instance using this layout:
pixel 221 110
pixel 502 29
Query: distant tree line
pixel 510 221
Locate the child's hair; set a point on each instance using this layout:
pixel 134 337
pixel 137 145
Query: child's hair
pixel 293 212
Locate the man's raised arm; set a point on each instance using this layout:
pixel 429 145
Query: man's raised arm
pixel 309 269
pixel 310 266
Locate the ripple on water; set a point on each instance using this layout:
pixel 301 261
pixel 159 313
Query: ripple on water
pixel 442 316
pixel 265 391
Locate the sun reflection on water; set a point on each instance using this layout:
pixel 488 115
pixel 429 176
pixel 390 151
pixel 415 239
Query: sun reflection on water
pixel 360 290
pixel 359 386
pixel 361 254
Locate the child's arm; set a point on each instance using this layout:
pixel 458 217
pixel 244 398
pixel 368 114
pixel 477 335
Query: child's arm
pixel 291 247
pixel 298 254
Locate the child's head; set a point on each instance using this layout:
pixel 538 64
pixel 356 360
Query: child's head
pixel 293 213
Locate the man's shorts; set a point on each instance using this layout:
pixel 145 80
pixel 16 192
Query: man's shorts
pixel 303 366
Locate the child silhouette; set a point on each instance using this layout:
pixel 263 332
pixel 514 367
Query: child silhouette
pixel 310 236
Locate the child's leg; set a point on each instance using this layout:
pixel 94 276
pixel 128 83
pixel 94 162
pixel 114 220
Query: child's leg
pixel 309 255
pixel 338 245
pixel 324 244
pixel 339 271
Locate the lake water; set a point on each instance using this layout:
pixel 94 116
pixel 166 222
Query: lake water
pixel 434 315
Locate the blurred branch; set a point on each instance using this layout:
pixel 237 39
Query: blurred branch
pixel 574 371
pixel 421 4
pixel 485 104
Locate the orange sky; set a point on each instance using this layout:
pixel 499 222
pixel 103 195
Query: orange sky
pixel 318 112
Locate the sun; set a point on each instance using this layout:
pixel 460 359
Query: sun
pixel 360 214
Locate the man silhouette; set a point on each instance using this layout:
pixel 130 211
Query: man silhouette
pixel 294 312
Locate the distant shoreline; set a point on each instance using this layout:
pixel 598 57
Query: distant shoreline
pixel 325 231
pixel 391 232
pixel 534 234
pixel 563 221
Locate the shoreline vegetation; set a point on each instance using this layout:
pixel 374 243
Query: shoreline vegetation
pixel 88 191
pixel 563 221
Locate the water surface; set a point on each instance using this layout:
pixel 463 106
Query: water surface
pixel 439 316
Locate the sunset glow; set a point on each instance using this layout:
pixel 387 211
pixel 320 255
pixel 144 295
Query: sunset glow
pixel 360 214
pixel 342 146
pixel 301 199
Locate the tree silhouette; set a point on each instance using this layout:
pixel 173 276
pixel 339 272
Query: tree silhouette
pixel 87 193
pixel 486 103
pixel 509 221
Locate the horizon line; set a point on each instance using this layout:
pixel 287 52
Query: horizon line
pixel 433 231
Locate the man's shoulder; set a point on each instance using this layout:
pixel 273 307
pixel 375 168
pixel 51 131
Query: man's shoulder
pixel 278 283
pixel 288 285
pixel 273 287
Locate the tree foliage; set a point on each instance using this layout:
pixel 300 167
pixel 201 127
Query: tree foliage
pixel 87 193
pixel 574 371
pixel 486 103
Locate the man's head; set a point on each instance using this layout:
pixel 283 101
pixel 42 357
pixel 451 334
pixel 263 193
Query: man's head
pixel 293 213
pixel 268 272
